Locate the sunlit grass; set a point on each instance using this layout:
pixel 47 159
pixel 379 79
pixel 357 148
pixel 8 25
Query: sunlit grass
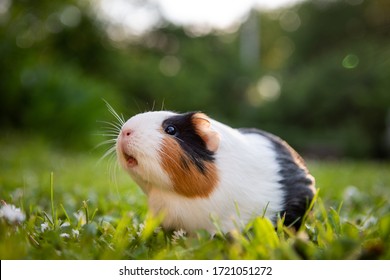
pixel 78 209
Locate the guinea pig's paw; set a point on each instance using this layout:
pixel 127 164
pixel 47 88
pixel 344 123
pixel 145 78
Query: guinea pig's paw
pixel 204 130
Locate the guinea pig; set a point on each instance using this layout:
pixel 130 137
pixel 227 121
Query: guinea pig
pixel 198 171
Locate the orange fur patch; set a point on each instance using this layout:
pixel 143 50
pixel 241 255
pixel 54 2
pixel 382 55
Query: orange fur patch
pixel 186 177
pixel 209 136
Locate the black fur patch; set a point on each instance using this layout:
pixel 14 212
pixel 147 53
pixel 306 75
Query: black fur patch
pixel 191 143
pixel 295 181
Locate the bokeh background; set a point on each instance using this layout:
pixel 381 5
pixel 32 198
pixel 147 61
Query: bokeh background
pixel 316 73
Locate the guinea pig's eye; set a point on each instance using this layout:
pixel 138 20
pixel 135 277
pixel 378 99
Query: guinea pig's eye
pixel 171 130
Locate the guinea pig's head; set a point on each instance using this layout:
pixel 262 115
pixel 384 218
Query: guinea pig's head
pixel 174 152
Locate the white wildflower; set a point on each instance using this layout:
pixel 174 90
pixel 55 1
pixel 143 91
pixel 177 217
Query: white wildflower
pixel 178 234
pixel 140 229
pixel 369 222
pixel 80 216
pixel 75 233
pixel 44 226
pixel 66 224
pixel 351 193
pixel 12 214
pixel 65 235
pixel 157 229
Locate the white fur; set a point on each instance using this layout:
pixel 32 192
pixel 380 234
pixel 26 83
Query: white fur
pixel 248 179
pixel 144 144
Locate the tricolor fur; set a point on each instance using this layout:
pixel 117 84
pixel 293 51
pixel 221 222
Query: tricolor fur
pixel 197 171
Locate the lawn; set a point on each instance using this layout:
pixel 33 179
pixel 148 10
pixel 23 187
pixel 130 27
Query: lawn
pixel 73 206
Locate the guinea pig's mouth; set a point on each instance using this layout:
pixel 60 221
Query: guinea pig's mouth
pixel 131 161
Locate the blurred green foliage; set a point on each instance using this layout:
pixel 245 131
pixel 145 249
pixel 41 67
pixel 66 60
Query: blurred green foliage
pixel 320 78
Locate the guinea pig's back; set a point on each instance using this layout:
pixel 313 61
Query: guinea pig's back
pixel 295 181
pixel 267 173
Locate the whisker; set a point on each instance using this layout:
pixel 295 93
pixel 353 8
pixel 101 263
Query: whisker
pixel 111 125
pixel 109 130
pixel 106 142
pixel 116 129
pixel 107 134
pixel 112 168
pixel 138 106
pixel 114 113
pixel 110 151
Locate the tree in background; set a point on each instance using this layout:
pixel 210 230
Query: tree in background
pixel 320 78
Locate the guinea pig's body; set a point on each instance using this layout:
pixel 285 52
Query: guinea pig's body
pixel 198 171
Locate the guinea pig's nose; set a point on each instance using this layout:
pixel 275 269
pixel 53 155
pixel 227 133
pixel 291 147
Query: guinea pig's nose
pixel 126 132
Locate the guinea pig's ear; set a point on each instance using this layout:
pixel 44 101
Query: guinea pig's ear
pixel 204 130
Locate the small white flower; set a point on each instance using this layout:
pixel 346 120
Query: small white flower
pixel 12 214
pixel 80 216
pixel 178 234
pixel 157 229
pixel 140 229
pixel 371 221
pixel 44 226
pixel 66 224
pixel 65 235
pixel 351 192
pixel 75 233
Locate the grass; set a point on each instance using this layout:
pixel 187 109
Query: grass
pixel 77 209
